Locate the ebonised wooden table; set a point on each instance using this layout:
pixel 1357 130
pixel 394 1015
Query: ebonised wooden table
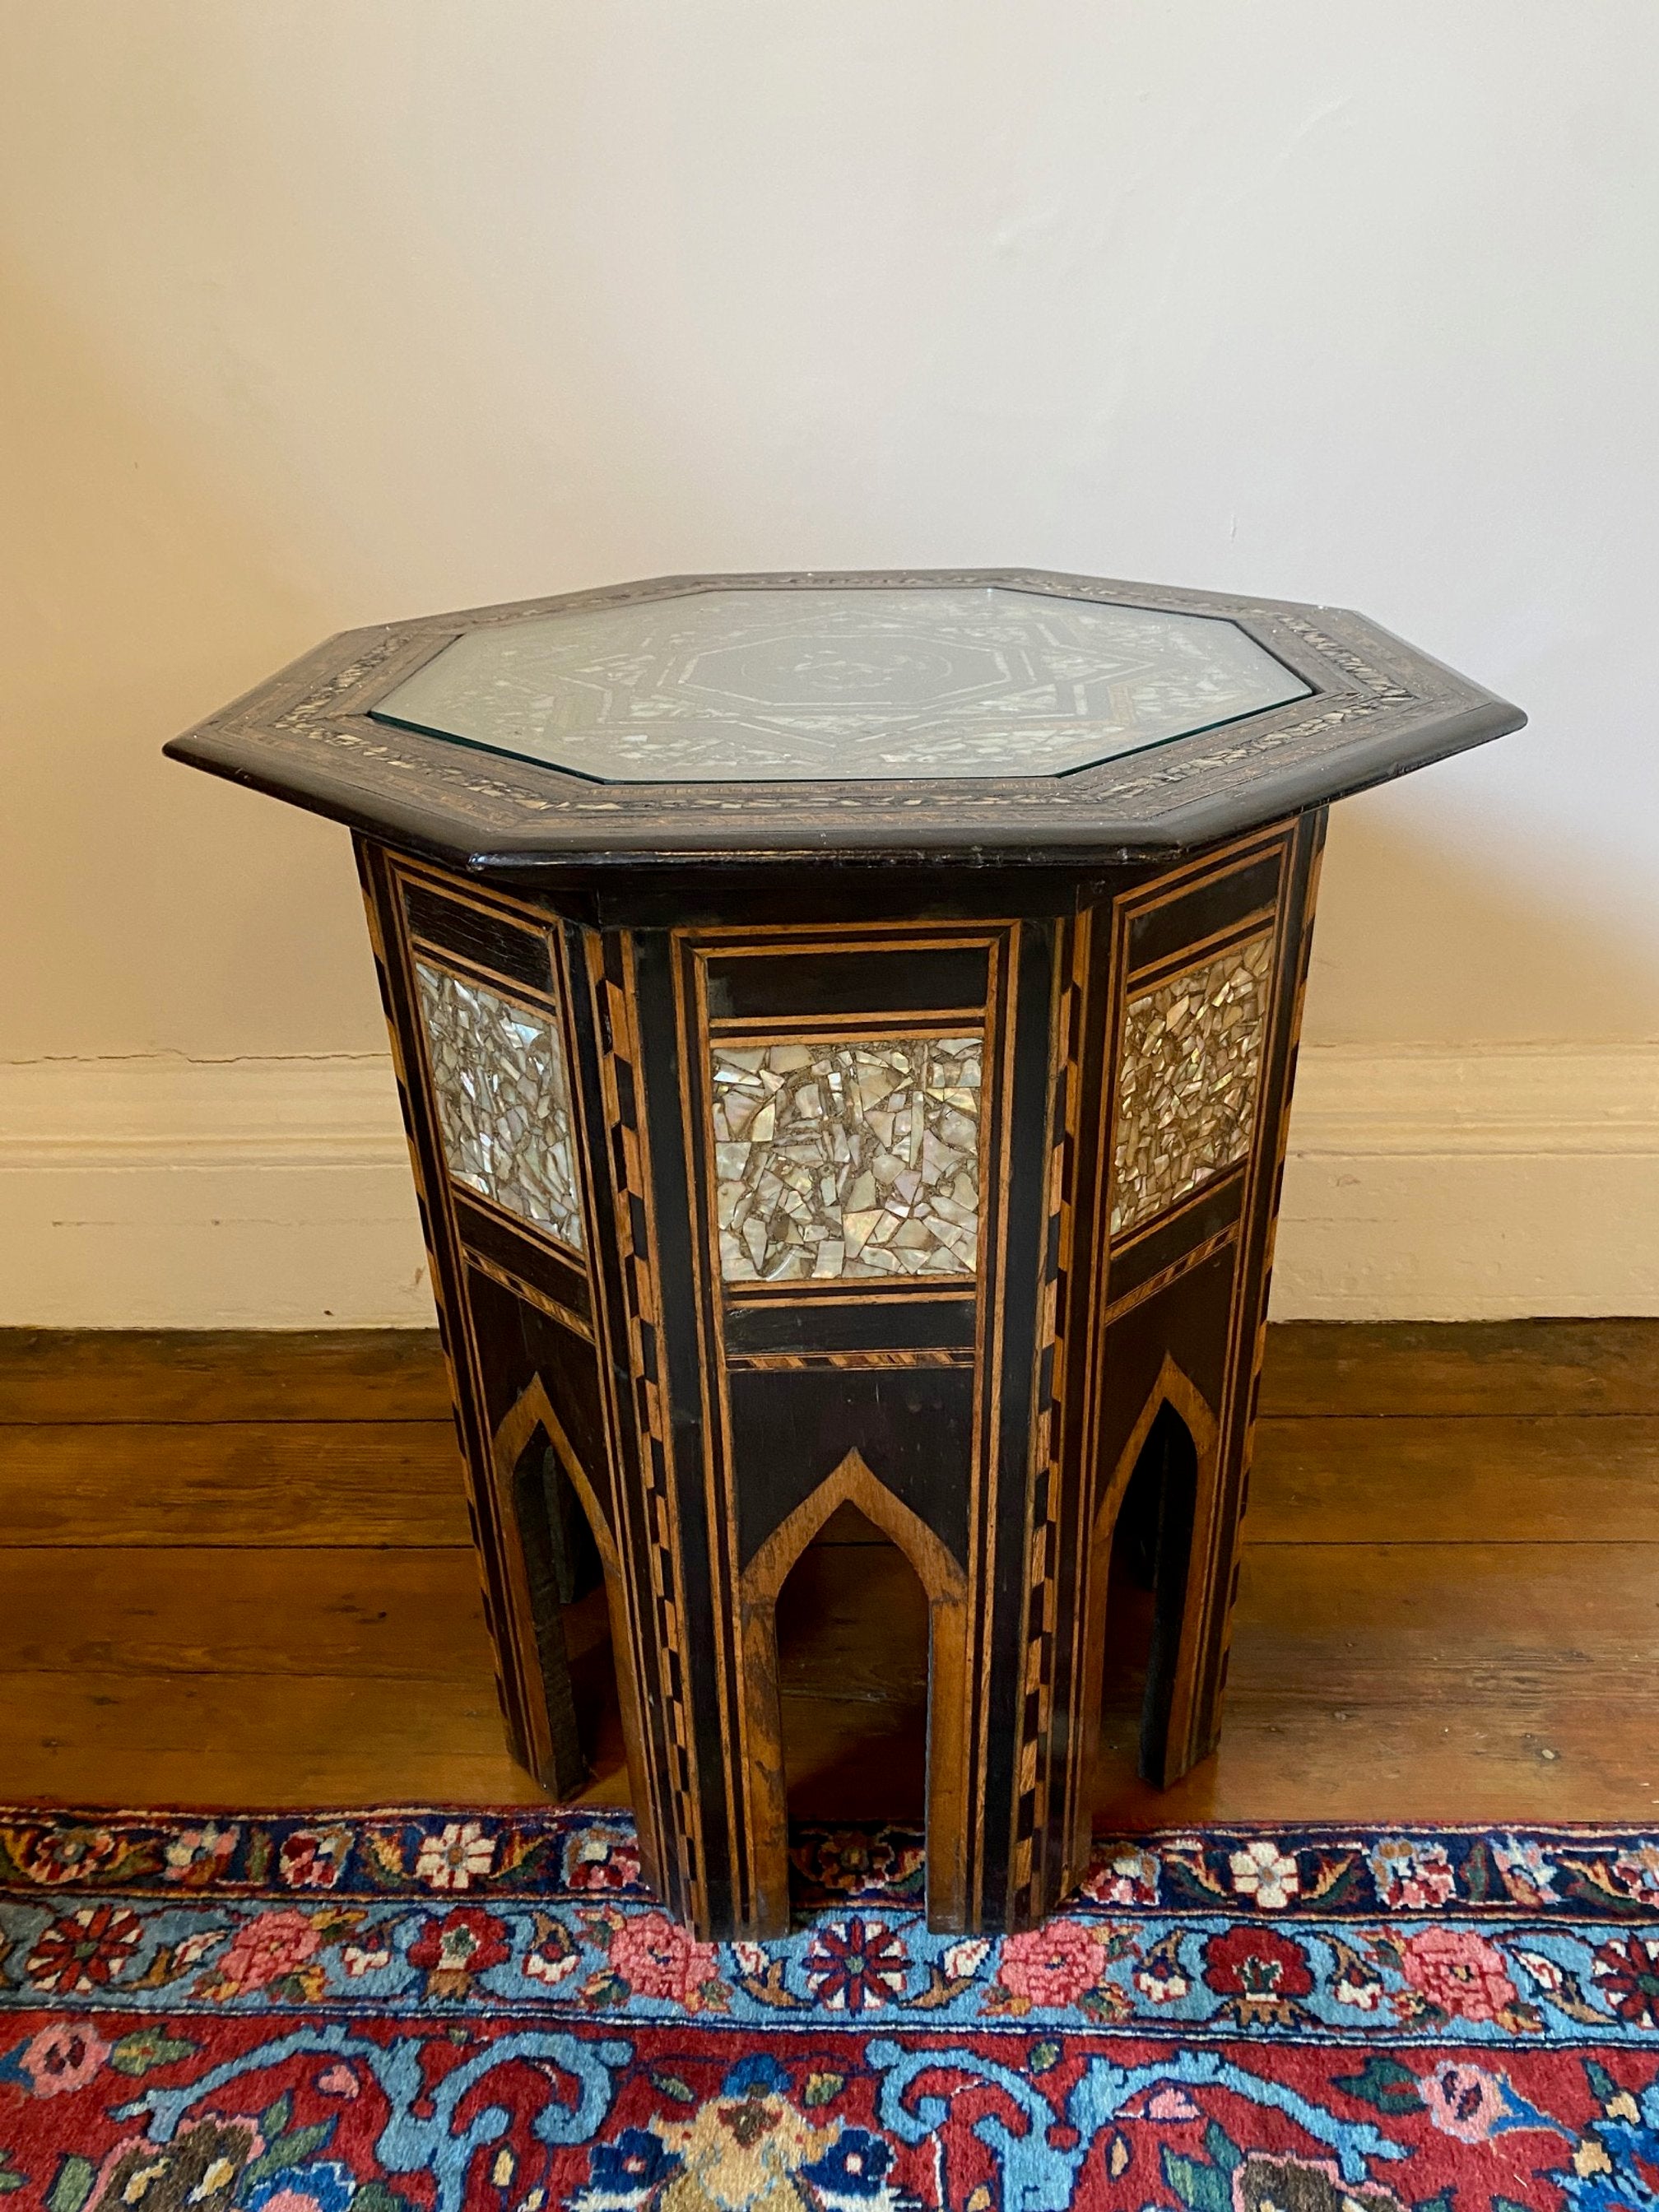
pixel 846 1026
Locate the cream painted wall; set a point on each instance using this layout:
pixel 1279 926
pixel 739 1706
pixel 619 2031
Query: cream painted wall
pixel 316 312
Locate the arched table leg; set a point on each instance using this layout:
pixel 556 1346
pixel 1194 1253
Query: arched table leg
pixel 930 1216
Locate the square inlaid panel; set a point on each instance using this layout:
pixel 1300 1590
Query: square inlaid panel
pixel 847 1158
pixel 1187 1078
pixel 503 1101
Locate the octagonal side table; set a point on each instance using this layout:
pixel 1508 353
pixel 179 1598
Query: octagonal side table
pixel 846 1028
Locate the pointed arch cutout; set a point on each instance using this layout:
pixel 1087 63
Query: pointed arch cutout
pixel 536 1628
pixel 945 1584
pixel 852 1484
pixel 1167 1748
pixel 1176 1389
pixel 533 1410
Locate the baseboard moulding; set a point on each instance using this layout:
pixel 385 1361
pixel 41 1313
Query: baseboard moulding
pixel 1422 1183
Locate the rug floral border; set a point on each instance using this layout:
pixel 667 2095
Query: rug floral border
pixel 1470 1933
pixel 432 2010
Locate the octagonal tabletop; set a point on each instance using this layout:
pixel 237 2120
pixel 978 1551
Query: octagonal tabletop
pixel 840 683
pixel 1009 715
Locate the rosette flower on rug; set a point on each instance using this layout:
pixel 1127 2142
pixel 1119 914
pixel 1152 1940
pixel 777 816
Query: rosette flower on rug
pixel 415 2012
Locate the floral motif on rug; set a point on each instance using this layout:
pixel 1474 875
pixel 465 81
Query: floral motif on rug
pixel 451 2010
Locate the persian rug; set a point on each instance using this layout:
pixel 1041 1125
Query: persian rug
pixel 466 2009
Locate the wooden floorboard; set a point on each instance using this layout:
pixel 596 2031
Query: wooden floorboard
pixel 1388 1764
pixel 222 1375
pixel 852 1681
pixel 1378 1368
pixel 237 1574
pixel 1448 1369
pixel 1318 1479
pixel 391 1616
pixel 119 1738
pixel 233 1483
pixel 1431 1682
pixel 1440 1624
pixel 1541 1479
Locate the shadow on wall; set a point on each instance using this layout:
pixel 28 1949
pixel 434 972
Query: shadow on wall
pixel 1419 942
pixel 165 915
pixel 157 909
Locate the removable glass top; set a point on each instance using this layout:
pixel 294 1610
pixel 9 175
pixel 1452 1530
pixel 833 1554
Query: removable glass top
pixel 839 682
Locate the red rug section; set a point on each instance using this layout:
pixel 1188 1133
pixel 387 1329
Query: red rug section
pixel 449 2010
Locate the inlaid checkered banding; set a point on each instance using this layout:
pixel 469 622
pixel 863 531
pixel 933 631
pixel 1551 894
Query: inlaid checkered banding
pixel 620 1088
pixel 1032 1775
pixel 1281 1141
pixel 448 1340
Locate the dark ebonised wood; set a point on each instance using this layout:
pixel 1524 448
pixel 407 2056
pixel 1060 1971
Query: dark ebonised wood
pixel 629 1403
pixel 1378 708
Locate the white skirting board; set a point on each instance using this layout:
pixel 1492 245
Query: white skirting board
pixel 1422 1184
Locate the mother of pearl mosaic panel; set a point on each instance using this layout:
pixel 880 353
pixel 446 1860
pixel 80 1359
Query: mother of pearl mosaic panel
pixel 503 1101
pixel 1187 1077
pixel 838 1158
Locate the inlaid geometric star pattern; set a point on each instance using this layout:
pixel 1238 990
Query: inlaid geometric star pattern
pixel 839 683
pixel 503 1101
pixel 836 1159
